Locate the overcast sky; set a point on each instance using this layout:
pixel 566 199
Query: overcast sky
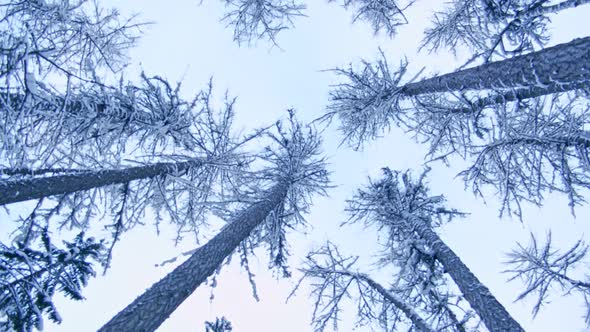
pixel 189 43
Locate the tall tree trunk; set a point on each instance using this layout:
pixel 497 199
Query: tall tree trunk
pixel 493 314
pixel 562 67
pixel 154 306
pixel 12 191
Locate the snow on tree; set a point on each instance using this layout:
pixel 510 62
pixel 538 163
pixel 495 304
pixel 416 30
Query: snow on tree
pixel 220 325
pixel 469 112
pixel 264 19
pixel 543 268
pixel 382 15
pixel 29 278
pixel 403 208
pixel 176 185
pixel 274 199
pixel 68 38
pixel 260 19
pixel 494 28
pixel 536 148
pixel 91 124
pixel 334 280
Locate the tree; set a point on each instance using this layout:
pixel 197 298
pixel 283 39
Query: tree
pixel 296 171
pixel 260 19
pixel 468 112
pixel 220 325
pixel 91 124
pixel 177 184
pixel 537 148
pixel 403 208
pixel 74 142
pixel 382 15
pixel 67 38
pixel 264 19
pixel 494 28
pixel 31 277
pixel 337 281
pixel 542 268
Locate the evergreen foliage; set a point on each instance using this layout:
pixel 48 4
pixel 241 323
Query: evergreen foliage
pixel 220 325
pixel 31 277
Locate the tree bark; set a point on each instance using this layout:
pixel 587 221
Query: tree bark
pixel 154 306
pixel 500 97
pixel 553 9
pixel 12 191
pixel 110 108
pixel 559 68
pixel 493 314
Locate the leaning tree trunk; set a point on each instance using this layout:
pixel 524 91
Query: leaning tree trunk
pixel 553 9
pixel 493 314
pixel 154 306
pixel 501 97
pixel 559 68
pixel 12 191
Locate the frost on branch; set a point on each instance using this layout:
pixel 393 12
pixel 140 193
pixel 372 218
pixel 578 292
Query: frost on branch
pixel 491 28
pixel 70 38
pixel 260 19
pixel 202 157
pixel 91 120
pixel 382 15
pixel 419 293
pixel 535 148
pixel 31 277
pixel 543 268
pixel 293 156
pixel 333 282
pixel 367 101
pixel 399 205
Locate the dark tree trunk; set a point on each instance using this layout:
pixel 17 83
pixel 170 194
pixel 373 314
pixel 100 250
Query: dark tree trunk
pixel 553 9
pixel 562 67
pixel 12 191
pixel 493 314
pixel 501 97
pixel 154 306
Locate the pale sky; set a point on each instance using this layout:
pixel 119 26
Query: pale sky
pixel 188 42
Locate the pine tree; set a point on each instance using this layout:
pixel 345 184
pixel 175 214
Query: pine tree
pixel 93 123
pixel 264 19
pixel 295 173
pixel 471 112
pixel 95 155
pixel 403 208
pixel 31 277
pixel 338 281
pixel 220 325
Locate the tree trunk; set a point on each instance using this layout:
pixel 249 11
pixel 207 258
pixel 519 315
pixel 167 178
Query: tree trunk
pixel 553 9
pixel 495 317
pixel 562 67
pixel 154 306
pixel 110 108
pixel 500 97
pixel 12 191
